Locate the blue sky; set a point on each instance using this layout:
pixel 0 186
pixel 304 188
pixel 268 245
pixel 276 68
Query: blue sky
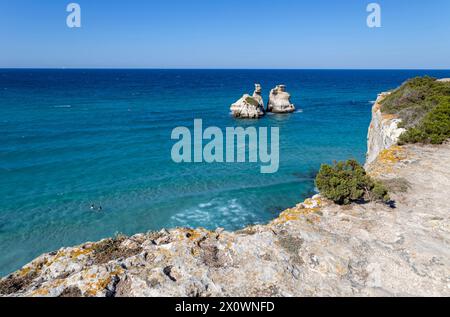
pixel 225 34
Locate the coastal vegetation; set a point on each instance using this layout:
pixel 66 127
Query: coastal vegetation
pixel 347 182
pixel 252 101
pixel 423 104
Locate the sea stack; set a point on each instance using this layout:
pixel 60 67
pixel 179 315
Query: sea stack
pixel 249 107
pixel 280 101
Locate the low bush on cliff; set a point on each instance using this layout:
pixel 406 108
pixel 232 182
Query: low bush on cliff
pixel 423 104
pixel 347 182
pixel 434 128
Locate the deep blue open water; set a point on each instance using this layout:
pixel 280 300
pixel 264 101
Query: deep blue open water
pixel 72 138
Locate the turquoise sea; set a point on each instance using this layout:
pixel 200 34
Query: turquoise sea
pixel 73 138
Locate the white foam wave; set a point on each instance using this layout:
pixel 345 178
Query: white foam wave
pixel 213 214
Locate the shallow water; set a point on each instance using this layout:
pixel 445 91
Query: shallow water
pixel 72 138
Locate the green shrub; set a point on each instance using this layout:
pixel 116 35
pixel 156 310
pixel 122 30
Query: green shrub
pixel 347 182
pixel 379 192
pixel 423 104
pixel 434 128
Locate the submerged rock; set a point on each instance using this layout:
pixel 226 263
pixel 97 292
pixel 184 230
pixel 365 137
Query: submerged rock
pixel 251 107
pixel 280 101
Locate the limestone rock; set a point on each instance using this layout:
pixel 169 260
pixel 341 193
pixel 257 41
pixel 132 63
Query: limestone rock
pixel 280 101
pixel 257 95
pixel 383 131
pixel 249 107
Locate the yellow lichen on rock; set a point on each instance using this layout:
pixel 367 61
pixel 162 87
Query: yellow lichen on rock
pixel 392 155
pixel 387 160
pixel 309 206
pixel 34 268
pixel 41 292
pixel 387 116
pixel 94 288
pixel 286 216
pixel 79 252
pixel 25 271
pixel 377 106
pixel 99 282
pixel 192 235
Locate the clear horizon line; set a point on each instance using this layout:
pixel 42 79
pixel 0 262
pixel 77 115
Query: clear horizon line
pixel 210 68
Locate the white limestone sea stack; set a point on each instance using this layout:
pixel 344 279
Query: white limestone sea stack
pixel 280 101
pixel 249 107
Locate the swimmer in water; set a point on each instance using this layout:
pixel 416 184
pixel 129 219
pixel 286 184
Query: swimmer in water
pixel 100 208
pixel 92 207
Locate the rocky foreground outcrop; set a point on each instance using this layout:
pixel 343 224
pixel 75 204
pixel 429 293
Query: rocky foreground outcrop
pixel 249 107
pixel 314 249
pixel 280 101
